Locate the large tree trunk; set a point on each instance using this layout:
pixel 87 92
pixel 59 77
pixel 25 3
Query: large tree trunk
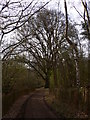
pixel 47 82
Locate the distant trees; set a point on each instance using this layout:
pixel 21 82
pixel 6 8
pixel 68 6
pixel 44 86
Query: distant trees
pixel 17 77
pixel 17 80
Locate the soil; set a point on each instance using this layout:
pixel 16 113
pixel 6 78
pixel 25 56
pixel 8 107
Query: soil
pixel 35 107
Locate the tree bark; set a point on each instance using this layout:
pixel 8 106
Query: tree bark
pixel 47 82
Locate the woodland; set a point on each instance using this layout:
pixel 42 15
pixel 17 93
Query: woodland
pixel 47 49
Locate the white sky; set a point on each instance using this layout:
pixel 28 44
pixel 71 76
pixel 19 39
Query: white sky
pixel 71 10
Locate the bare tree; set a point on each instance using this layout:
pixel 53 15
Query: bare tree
pixel 14 14
pixel 87 26
pixel 73 45
pixel 43 38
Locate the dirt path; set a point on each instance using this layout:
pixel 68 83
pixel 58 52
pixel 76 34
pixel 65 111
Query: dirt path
pixel 35 107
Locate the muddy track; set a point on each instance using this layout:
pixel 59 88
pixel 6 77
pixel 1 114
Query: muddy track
pixel 35 107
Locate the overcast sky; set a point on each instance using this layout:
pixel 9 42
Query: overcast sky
pixel 71 10
pixel 54 5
